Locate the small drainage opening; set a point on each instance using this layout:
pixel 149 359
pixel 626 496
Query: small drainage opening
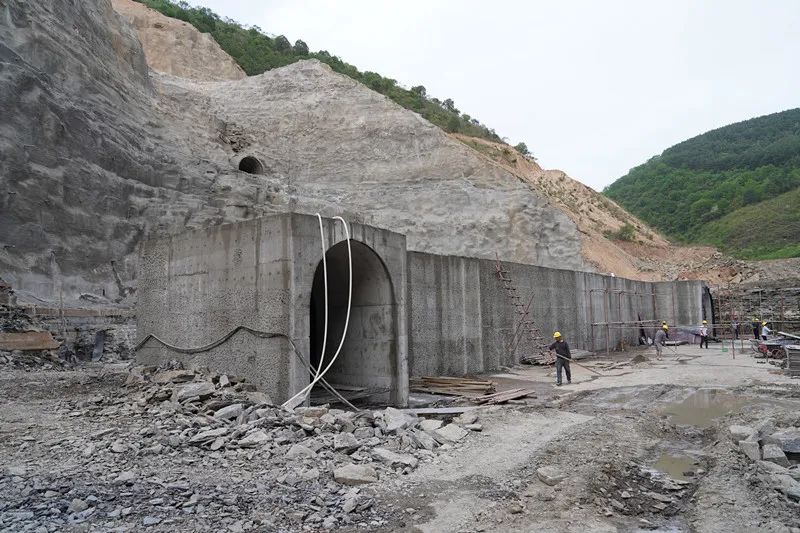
pixel 251 165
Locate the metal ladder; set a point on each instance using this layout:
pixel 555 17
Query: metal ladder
pixel 525 324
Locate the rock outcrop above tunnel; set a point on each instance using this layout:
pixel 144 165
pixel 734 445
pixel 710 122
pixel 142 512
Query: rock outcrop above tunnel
pixel 97 155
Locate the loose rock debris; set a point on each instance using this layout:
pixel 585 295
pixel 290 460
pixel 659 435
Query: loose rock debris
pixel 309 468
pixel 770 449
pixel 33 360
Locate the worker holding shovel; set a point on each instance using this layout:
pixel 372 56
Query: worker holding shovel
pixel 659 339
pixel 562 357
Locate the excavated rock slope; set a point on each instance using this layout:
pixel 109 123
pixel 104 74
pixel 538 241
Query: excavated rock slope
pixel 175 47
pixel 593 214
pixel 97 156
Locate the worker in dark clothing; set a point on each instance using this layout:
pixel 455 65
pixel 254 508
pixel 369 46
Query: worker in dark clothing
pixel 562 357
pixel 756 328
pixel 659 339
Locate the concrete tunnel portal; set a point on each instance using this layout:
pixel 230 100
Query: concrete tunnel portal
pixel 368 358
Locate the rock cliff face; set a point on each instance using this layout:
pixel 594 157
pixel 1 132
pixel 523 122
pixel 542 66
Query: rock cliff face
pixel 75 102
pixel 175 47
pixel 97 155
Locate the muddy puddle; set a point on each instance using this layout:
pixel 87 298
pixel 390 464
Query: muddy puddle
pixel 704 406
pixel 676 466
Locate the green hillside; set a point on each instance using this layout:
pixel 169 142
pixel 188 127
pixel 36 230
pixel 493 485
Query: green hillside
pixel 766 230
pixel 257 52
pixel 735 187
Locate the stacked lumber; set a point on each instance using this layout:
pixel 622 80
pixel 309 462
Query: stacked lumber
pixel 452 386
pixel 504 396
pixel 793 360
pixel 541 358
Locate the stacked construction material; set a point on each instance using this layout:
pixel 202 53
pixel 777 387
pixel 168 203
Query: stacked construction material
pixel 793 359
pixel 541 358
pixel 452 386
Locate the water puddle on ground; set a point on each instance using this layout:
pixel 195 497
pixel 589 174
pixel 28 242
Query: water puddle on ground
pixel 702 407
pixel 674 466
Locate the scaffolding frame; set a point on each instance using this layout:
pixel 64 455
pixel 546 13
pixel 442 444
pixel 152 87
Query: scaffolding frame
pixel 608 325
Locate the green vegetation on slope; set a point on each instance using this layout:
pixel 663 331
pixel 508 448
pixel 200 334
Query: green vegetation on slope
pixel 700 190
pixel 766 230
pixel 257 52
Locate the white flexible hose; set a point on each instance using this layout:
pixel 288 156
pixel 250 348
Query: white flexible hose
pixel 301 396
pixel 325 280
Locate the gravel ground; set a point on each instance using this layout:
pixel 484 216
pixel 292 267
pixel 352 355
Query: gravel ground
pixel 83 451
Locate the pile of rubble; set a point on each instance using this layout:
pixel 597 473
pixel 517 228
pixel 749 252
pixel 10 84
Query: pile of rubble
pixel 14 319
pixel 222 412
pixel 776 453
pixel 15 323
pixel 168 434
pixel 636 489
pixel 34 359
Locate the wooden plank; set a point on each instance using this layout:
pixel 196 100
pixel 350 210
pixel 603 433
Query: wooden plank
pixel 448 392
pixel 501 397
pixel 440 410
pixel 28 341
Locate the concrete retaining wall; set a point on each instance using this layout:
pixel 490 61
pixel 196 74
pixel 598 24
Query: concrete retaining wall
pixel 462 320
pixel 413 314
pixel 197 287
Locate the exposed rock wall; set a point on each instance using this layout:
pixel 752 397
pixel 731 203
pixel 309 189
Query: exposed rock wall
pixel 75 99
pixel 175 47
pixel 332 140
pixel 97 155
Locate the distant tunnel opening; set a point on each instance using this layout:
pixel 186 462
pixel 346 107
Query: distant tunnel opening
pixel 368 358
pixel 251 165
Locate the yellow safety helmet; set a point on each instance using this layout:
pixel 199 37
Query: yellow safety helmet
pixel 705 321
pixel 764 323
pixel 557 335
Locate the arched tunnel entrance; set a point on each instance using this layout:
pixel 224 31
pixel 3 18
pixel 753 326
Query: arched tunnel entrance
pixel 368 359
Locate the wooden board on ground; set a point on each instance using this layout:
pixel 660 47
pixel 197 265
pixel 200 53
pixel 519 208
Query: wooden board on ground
pixel 28 341
pixel 504 396
pixel 440 410
pixel 452 386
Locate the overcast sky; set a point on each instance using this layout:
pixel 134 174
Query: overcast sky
pixel 593 87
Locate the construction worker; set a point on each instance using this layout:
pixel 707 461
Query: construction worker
pixel 660 338
pixel 562 357
pixel 756 328
pixel 704 334
pixel 764 330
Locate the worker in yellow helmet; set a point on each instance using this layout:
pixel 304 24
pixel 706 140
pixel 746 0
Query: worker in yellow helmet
pixel 562 357
pixel 665 327
pixel 764 330
pixel 660 338
pixel 704 334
